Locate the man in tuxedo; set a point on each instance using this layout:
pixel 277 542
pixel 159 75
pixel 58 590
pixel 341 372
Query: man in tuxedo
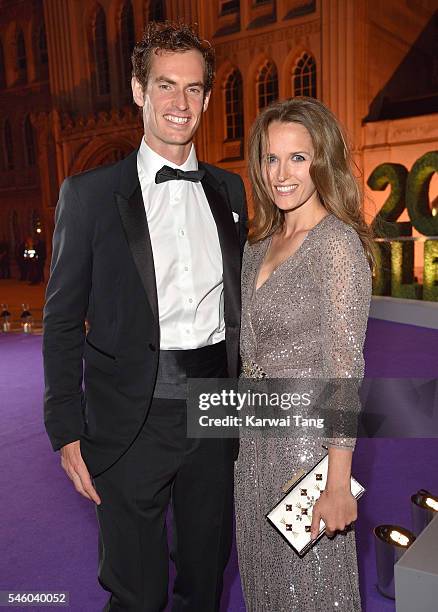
pixel 148 251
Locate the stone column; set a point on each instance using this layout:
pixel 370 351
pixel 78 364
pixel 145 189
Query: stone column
pixel 344 61
pixel 184 10
pixel 60 49
pixel 42 123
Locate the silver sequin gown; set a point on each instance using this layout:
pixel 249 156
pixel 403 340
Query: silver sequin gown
pixel 307 320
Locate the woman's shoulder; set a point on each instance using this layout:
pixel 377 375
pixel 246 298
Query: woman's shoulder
pixel 340 251
pixel 337 234
pixel 253 248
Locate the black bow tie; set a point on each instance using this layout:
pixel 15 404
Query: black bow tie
pixel 174 174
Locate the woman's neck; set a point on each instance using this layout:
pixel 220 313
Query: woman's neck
pixel 304 218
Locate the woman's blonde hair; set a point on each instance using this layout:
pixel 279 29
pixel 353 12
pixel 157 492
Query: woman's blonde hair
pixel 330 169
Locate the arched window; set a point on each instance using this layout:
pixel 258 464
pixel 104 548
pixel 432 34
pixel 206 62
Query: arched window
pixel 9 146
pixel 304 76
pixel 21 58
pixel 228 6
pixel 14 228
pixel 157 10
pixel 2 67
pixel 234 106
pixel 42 54
pixel 35 221
pixel 29 141
pixel 127 42
pixel 101 53
pixel 267 84
pixel 112 152
pixel 112 157
pixel 42 47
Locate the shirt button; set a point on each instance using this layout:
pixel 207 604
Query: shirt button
pixel 186 268
pixel 190 300
pixel 182 232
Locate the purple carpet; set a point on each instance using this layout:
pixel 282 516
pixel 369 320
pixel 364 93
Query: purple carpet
pixel 48 532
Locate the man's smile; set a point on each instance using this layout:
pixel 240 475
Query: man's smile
pixel 177 120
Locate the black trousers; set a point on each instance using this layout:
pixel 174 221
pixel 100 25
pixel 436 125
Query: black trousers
pixel 196 476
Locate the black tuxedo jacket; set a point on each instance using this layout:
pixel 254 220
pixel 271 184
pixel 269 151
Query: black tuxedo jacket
pixel 102 270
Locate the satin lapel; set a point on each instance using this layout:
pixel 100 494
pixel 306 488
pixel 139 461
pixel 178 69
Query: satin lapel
pixel 229 243
pixel 133 216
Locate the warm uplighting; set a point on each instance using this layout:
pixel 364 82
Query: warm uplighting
pixel 26 319
pixel 394 535
pixel 5 316
pixel 424 506
pixel 432 503
pixel 391 542
pixel 425 500
pixel 399 538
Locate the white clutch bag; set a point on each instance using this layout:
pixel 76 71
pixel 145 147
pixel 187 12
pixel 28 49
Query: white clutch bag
pixel 292 516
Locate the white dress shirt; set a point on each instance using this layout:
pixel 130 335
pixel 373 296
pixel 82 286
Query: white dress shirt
pixel 187 255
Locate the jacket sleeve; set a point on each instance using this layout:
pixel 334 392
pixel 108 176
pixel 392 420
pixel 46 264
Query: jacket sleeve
pixel 65 310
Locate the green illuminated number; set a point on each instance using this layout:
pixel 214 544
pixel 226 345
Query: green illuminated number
pixel 430 271
pixel 385 223
pixel 417 194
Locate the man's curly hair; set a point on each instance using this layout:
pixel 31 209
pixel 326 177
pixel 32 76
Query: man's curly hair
pixel 174 37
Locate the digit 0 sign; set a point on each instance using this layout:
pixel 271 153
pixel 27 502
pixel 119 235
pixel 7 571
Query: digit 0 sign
pixel 417 194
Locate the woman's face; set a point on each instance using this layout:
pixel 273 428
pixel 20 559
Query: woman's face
pixel 286 165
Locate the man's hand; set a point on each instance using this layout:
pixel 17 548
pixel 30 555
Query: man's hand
pixel 74 465
pixel 337 508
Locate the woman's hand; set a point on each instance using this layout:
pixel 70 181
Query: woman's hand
pixel 337 508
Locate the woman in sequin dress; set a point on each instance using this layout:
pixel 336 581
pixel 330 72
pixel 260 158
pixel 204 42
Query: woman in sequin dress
pixel 306 286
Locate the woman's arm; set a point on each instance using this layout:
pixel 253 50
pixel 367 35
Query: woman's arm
pixel 345 281
pixel 336 505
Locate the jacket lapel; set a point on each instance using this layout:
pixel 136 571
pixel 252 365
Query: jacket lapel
pixel 130 204
pixel 129 201
pixel 230 248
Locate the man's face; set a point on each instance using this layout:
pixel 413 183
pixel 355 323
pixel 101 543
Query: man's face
pixel 173 101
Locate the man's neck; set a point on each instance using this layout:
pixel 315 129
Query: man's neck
pixel 177 154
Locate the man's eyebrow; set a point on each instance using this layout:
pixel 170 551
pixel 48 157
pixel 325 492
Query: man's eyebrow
pixel 196 84
pixel 172 82
pixel 165 79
